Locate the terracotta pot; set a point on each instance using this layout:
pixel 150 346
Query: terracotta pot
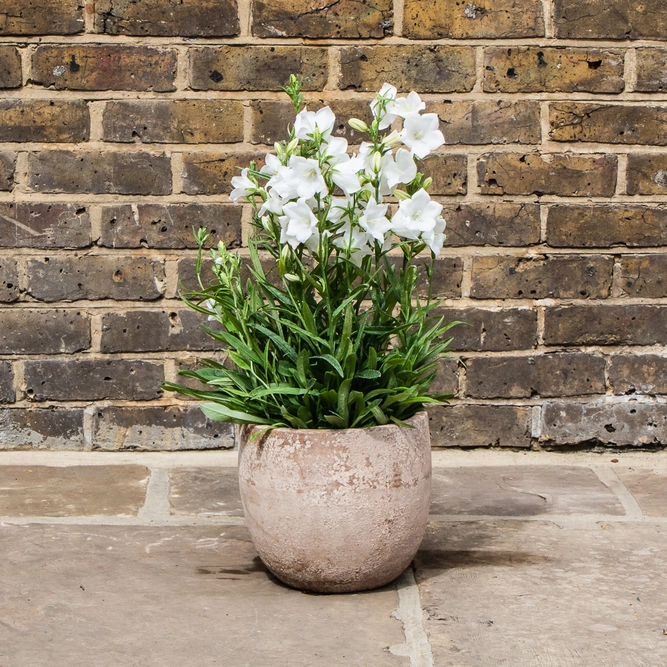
pixel 337 510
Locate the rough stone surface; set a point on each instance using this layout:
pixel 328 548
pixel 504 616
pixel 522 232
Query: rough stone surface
pixel 623 424
pixel 493 224
pixel 458 20
pixel 648 488
pixel 544 375
pixel 643 276
pixel 211 173
pixel 41 17
pixel 158 428
pixel 199 577
pixel 521 491
pixel 94 277
pixel 92 379
pixel 635 324
pixel 447 277
pixel 447 379
pixel 44 121
pixel 48 428
pixel 104 67
pixel 555 174
pixel 10 67
pixel 9 280
pixel 168 225
pixel 541 277
pixel 7 393
pixel 647 174
pixel 43 331
pixel 168 18
pixel 651 70
pixel 347 19
pixel 606 226
pixel 177 122
pixel 96 172
pixel 433 69
pixel 205 492
pixel 7 164
pixel 488 122
pixel 35 225
pixel 638 374
pixel 449 174
pixel 608 124
pixel 76 490
pixel 257 67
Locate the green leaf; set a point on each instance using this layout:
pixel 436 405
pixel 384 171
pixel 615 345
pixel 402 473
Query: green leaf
pixel 368 375
pixel 220 413
pixel 332 361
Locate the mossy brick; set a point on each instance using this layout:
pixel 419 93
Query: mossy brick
pixel 426 69
pixel 7 393
pixel 347 19
pixel 211 172
pixel 168 18
pixel 608 123
pixel 92 379
pixel 638 374
pixel 454 19
pixel 7 166
pixel 43 331
pixel 99 172
pixel 9 280
pixel 642 276
pixel 449 173
pixel 538 69
pixel 10 67
pixel 257 67
pixel 104 67
pixel 42 428
pixel 651 70
pixel 168 225
pixel 178 121
pixel 605 226
pixel 647 174
pixel 566 175
pixel 541 277
pixel 40 225
pixel 41 17
pixel 93 278
pixel 44 121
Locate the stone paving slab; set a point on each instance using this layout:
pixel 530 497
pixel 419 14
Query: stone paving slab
pixel 521 491
pixel 84 596
pixel 205 492
pixel 535 594
pixel 649 489
pixel 71 491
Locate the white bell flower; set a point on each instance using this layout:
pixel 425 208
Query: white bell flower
pixel 298 224
pixel 416 216
pixel 356 241
pixel 403 170
pixel 374 220
pixel 404 106
pixel 421 134
pixel 386 118
pixel 243 186
pixel 435 239
pixel 336 149
pixel 306 122
pixel 345 175
pixel 271 165
pixel 301 179
pixel 274 204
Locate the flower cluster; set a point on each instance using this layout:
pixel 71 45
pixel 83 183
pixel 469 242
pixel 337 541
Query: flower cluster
pixel 313 189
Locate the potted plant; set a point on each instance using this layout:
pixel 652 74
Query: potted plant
pixel 331 352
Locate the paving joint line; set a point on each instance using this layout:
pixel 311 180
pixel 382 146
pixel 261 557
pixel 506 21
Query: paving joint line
pixel 156 502
pixel 610 479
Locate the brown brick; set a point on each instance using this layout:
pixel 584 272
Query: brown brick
pixel 608 124
pixel 643 276
pixel 601 423
pixel 459 20
pixel 168 18
pixel 7 393
pixel 556 174
pixel 426 69
pixel 44 120
pixel 447 379
pixel 187 275
pixel 606 325
pixel 92 380
pixel 104 67
pixel 480 426
pixel 494 224
pixel 155 331
pixel 651 70
pixel 489 122
pixel 34 225
pixel 257 67
pixel 447 276
pixel 168 225
pixel 211 173
pixel 606 226
pixel 543 277
pixel 347 19
pixel 492 330
pixel 158 429
pixel 10 67
pixel 271 117
pixel 95 277
pixel 98 172
pixel 9 280
pixel 449 174
pixel 41 17
pixel 638 374
pixel 31 331
pixel 7 165
pixel 647 174
pixel 537 69
pixel 610 19
pixel 193 363
pixel 50 428
pixel 178 122
pixel 544 375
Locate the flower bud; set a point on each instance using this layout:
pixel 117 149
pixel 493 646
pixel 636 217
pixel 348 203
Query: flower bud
pixel 427 183
pixel 292 145
pixel 358 125
pixel 292 278
pixel 377 162
pixel 400 195
pixel 392 139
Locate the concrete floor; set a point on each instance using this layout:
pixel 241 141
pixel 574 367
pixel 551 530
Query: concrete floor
pixel 530 559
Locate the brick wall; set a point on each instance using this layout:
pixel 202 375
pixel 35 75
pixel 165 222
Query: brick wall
pixel 122 122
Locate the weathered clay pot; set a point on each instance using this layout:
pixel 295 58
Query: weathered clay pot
pixel 337 510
